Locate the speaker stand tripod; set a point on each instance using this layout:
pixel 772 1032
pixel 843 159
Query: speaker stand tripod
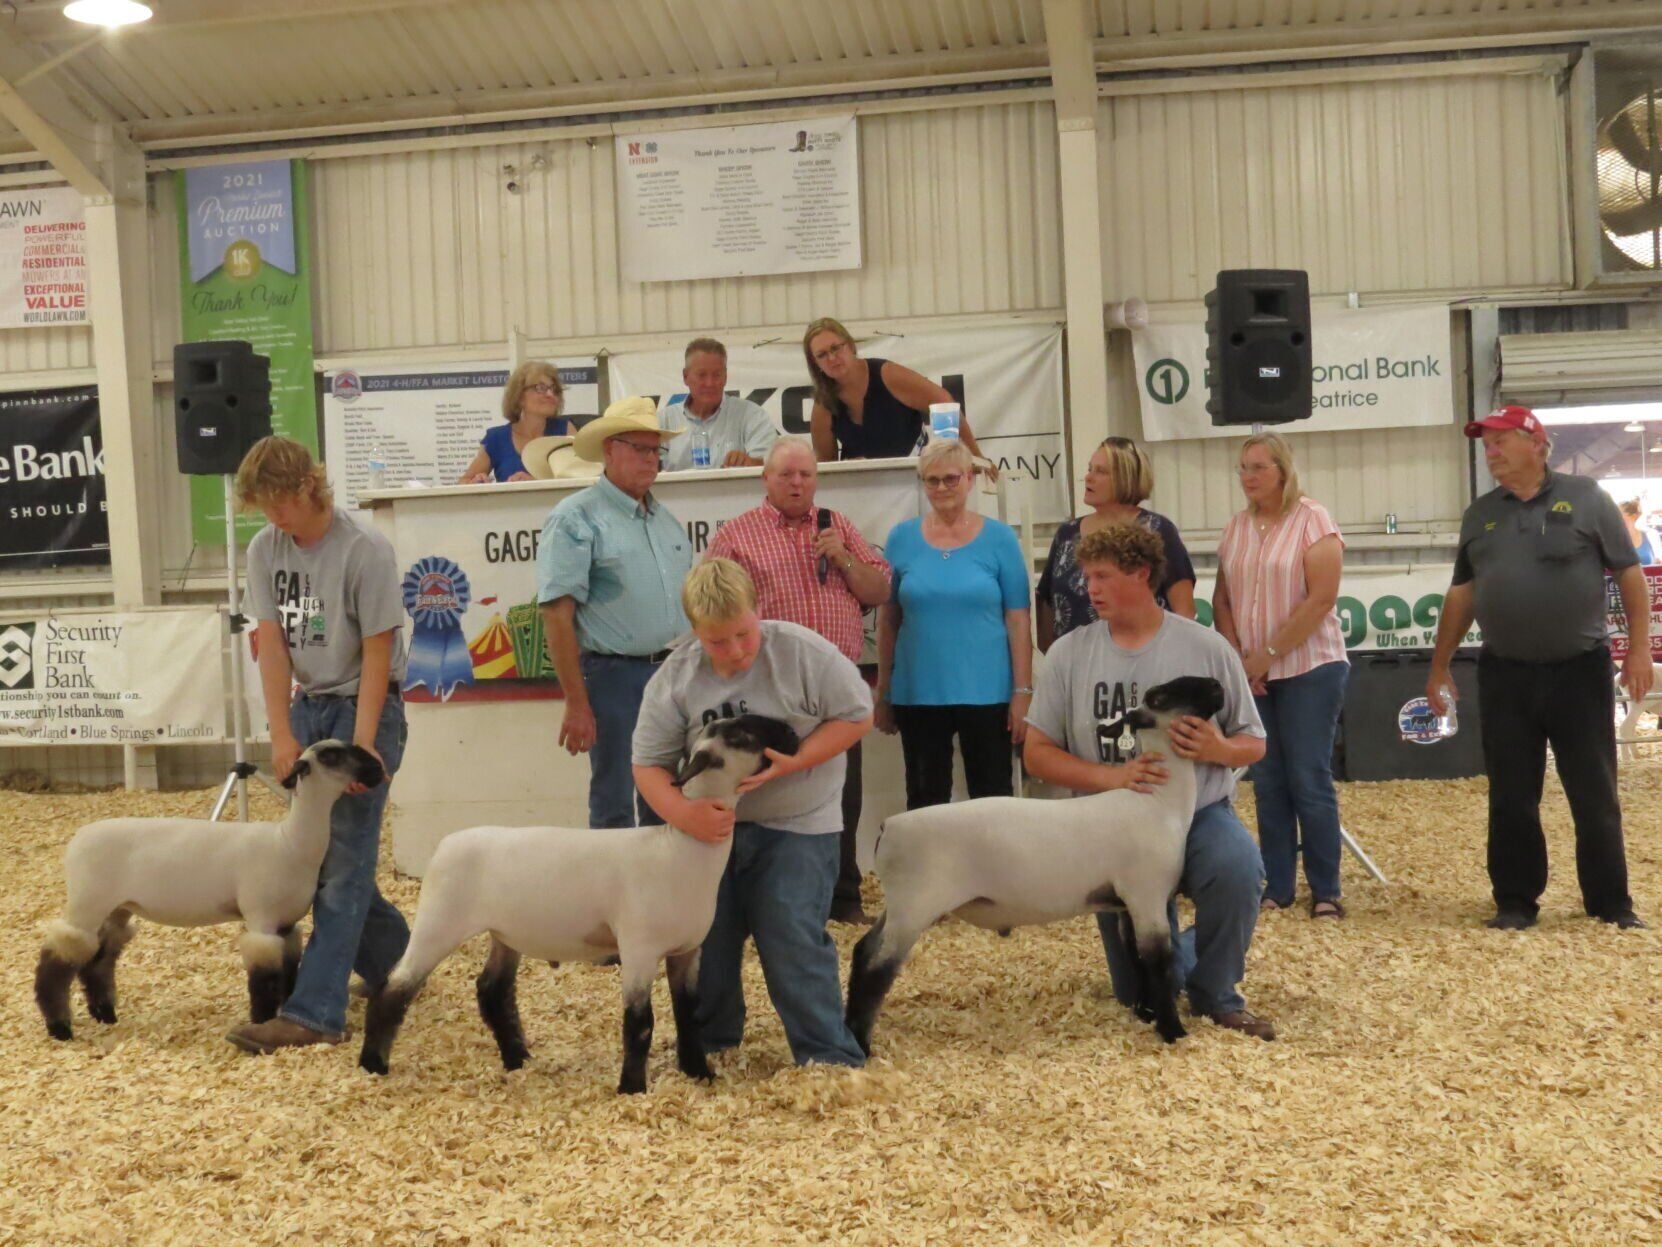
pixel 241 770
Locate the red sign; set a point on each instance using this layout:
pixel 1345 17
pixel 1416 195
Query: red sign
pixel 1618 618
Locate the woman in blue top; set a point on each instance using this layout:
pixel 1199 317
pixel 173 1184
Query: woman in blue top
pixel 954 654
pixel 531 404
pixel 1117 480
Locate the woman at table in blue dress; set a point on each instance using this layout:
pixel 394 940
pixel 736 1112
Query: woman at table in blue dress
pixel 531 404
pixel 1117 480
pixel 869 408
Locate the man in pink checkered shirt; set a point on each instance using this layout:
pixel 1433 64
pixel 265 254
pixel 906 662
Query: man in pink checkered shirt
pixel 782 545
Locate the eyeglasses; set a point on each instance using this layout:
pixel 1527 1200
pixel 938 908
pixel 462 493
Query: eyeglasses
pixel 950 481
pixel 643 449
pixel 828 352
pixel 546 388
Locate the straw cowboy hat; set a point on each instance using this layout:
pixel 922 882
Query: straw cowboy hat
pixel 554 458
pixel 627 415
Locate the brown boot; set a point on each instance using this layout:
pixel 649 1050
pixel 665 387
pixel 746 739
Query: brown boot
pixel 1246 1022
pixel 264 1038
pixel 850 912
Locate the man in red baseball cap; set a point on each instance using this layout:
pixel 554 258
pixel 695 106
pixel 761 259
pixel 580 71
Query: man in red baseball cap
pixel 1530 569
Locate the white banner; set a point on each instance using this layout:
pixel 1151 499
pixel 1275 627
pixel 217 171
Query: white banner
pixel 1373 368
pixel 1008 378
pixel 736 201
pixel 145 678
pixel 43 258
pixel 425 421
pixel 1377 610
pixel 474 571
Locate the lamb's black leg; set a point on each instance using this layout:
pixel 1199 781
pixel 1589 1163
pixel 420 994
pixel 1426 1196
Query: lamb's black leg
pixel 1160 979
pixel 382 1019
pixel 53 976
pixel 637 1041
pixel 291 960
pixel 1143 1005
pixel 499 1004
pixel 683 997
pixel 869 981
pixel 98 975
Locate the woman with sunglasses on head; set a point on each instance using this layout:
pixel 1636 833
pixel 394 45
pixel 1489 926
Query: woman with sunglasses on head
pixel 1118 479
pixel 954 656
pixel 869 408
pixel 531 404
pixel 1279 563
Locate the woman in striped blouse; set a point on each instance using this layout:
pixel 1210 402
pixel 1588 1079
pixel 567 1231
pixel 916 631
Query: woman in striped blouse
pixel 1279 563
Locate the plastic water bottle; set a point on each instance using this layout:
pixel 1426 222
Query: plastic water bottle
pixel 1448 723
pixel 377 467
pixel 700 446
pixel 943 420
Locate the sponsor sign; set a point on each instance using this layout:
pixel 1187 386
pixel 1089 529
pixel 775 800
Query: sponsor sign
pixel 52 508
pixel 1007 379
pixel 1372 368
pixel 1618 617
pixel 139 678
pixel 43 258
pixel 735 201
pixel 425 422
pixel 1394 610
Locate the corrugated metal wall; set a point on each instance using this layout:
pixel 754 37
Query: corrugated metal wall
pixel 1447 185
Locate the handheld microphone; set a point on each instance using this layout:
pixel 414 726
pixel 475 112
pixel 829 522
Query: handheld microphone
pixel 823 523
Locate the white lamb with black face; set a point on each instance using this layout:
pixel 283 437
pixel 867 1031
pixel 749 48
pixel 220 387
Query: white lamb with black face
pixel 636 895
pixel 1003 862
pixel 191 872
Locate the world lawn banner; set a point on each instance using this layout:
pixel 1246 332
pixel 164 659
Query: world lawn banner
pixel 52 508
pixel 426 421
pixel 470 581
pixel 1007 378
pixel 243 246
pixel 43 258
pixel 1372 368
pixel 1389 610
pixel 139 678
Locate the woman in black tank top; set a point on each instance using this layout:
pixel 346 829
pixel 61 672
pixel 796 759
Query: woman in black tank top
pixel 868 408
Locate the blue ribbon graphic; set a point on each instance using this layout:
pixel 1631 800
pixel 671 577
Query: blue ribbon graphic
pixel 436 595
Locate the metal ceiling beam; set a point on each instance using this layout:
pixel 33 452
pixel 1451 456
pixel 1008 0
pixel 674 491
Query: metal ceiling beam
pixel 79 144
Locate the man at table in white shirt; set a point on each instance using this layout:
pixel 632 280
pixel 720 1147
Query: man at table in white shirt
pixel 724 430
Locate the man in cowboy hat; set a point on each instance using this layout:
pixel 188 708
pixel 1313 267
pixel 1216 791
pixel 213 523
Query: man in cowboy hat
pixel 1530 569
pixel 609 571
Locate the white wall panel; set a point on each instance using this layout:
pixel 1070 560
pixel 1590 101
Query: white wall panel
pixel 429 247
pixel 1444 185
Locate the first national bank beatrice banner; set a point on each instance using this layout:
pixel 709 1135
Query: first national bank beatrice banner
pixel 52 505
pixel 243 266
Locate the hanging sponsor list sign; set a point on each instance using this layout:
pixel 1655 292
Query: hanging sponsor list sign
pixel 739 200
pixel 1372 368
pixel 43 258
pixel 139 678
pixel 425 423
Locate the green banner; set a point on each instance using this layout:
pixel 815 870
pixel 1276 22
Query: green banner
pixel 245 274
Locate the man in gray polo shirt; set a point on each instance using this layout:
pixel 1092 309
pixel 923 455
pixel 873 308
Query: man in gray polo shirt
pixel 1530 569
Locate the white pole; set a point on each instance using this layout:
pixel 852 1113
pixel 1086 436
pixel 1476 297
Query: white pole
pixel 239 707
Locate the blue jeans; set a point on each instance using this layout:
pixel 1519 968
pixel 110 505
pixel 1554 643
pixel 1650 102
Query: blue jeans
pixel 1294 782
pixel 777 888
pixel 616 686
pixel 354 927
pixel 1222 875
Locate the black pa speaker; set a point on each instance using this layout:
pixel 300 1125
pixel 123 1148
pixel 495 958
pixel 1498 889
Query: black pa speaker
pixel 1258 346
pixel 221 404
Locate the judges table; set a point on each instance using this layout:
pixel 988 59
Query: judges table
pixel 484 711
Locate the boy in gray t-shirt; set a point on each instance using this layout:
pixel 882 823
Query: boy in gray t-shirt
pixel 324 595
pixel 785 827
pixel 1092 677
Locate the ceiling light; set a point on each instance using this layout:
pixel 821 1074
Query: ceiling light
pixel 1633 427
pixel 110 13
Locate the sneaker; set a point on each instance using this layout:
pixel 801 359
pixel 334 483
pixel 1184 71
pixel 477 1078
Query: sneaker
pixel 1246 1022
pixel 1626 921
pixel 264 1038
pixel 1510 920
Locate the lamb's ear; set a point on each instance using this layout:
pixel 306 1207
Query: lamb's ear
pixel 301 769
pixel 699 762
